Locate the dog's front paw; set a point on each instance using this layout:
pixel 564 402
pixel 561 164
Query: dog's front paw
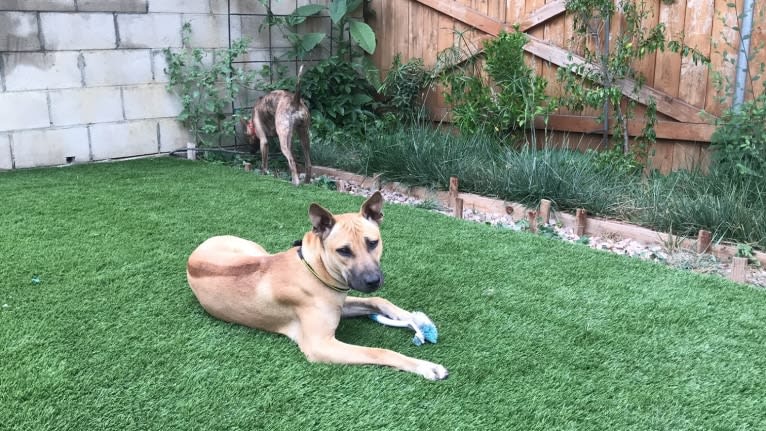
pixel 432 371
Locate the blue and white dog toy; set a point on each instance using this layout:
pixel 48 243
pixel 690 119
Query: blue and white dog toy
pixel 424 328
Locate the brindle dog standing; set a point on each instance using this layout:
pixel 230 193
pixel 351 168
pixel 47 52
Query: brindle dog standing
pixel 301 293
pixel 281 113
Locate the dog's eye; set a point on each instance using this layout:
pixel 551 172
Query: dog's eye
pixel 345 251
pixel 372 244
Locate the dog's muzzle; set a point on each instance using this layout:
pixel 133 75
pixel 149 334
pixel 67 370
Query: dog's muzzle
pixel 367 281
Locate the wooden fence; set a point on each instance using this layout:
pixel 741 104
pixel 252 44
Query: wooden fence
pixel 682 90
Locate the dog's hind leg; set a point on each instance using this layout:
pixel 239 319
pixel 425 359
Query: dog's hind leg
pixel 263 140
pixel 285 144
pixel 305 144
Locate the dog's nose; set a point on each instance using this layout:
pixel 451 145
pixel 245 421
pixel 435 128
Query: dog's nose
pixel 372 280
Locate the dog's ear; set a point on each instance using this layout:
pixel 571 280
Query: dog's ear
pixel 372 208
pixel 322 220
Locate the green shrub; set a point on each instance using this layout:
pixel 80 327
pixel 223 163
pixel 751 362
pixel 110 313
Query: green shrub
pixel 339 92
pixel 501 103
pixel 686 202
pixel 739 142
pixel 403 88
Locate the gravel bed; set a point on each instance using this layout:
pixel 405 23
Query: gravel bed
pixel 665 254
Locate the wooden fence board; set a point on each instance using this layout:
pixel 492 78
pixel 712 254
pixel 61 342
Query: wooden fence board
pixel 530 7
pixel 661 156
pixel 698 24
pixel 646 65
pixel 668 76
pixel 686 156
pixel 514 11
pixel 664 129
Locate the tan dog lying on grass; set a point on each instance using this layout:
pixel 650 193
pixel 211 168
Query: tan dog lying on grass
pixel 302 292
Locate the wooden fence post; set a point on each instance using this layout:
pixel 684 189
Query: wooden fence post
pixel 453 190
pixel 704 238
pixel 581 217
pixel 341 185
pixel 532 220
pixel 738 269
pixel 459 208
pixel 545 210
pixel 248 166
pixel 191 154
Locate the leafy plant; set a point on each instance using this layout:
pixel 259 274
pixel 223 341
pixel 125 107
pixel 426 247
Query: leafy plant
pixel 547 232
pixel 207 89
pixel 429 204
pixel 343 22
pixel 338 92
pixel 326 183
pixel 501 102
pixel 593 83
pixel 403 88
pixel 739 141
pixel 746 251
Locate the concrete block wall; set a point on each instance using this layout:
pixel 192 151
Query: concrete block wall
pixel 84 80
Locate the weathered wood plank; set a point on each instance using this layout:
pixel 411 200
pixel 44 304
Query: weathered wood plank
pixel 668 76
pixel 724 40
pixel 541 14
pixel 664 129
pixel 645 66
pixel 686 156
pixel 661 157
pixel 698 26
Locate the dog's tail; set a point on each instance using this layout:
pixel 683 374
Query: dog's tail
pixel 297 94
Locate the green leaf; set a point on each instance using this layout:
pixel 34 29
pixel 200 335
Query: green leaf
pixel 338 10
pixel 300 14
pixel 363 35
pixel 309 41
pixel 308 10
pixel 361 99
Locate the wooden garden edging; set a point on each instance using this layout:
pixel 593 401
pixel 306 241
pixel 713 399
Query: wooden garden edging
pixel 587 225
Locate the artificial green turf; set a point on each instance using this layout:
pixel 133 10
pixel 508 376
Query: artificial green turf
pixel 536 334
